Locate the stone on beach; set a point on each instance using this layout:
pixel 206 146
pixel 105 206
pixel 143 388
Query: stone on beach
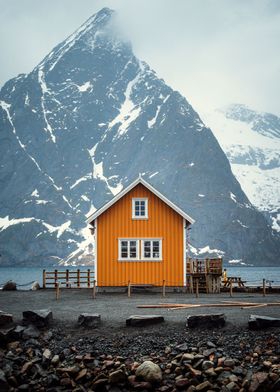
pixel 5 318
pixel 40 318
pixel 206 320
pixel 10 285
pixel 149 371
pixel 260 322
pixel 89 320
pixel 35 286
pixel 143 320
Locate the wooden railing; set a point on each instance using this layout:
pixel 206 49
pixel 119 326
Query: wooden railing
pixel 68 278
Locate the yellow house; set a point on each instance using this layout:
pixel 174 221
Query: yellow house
pixel 140 237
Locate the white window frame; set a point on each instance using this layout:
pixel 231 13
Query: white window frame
pixel 128 258
pixel 151 258
pixel 145 199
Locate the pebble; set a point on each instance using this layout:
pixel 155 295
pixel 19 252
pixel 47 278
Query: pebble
pixel 180 363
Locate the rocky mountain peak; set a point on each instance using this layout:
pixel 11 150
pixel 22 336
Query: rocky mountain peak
pixel 81 126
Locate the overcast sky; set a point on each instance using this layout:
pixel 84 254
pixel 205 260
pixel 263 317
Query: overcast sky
pixel 215 52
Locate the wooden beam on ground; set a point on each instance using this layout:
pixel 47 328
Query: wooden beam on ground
pixel 217 305
pixel 253 306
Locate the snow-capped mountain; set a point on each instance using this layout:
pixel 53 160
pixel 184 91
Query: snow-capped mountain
pixel 251 141
pixel 82 125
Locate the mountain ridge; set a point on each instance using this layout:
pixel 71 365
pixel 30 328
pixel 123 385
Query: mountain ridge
pixel 77 130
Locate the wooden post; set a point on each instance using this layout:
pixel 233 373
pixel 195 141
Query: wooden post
pixel 57 291
pixel 191 284
pixel 67 278
pixel 44 279
pixel 78 279
pixel 163 288
pixel 230 287
pixel 94 289
pixel 88 278
pixel 264 288
pixel 197 287
pixel 128 289
pixel 55 278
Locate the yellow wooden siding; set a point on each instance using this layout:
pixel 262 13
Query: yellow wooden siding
pixel 162 223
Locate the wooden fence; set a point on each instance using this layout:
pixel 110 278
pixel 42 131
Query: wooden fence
pixel 68 278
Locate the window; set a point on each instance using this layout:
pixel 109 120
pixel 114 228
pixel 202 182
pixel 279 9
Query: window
pixel 151 249
pixel 128 249
pixel 140 208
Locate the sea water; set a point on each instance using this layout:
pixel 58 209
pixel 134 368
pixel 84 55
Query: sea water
pixel 24 277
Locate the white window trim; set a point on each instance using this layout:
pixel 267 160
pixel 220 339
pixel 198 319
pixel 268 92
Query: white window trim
pixel 140 249
pixel 151 258
pixel 128 249
pixel 146 208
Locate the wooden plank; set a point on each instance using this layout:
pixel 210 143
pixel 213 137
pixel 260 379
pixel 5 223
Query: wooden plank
pixel 253 306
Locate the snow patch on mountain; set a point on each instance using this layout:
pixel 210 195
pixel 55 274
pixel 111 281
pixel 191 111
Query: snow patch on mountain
pixel 251 141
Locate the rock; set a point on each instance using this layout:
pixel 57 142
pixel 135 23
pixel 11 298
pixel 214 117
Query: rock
pixel 187 357
pixel 25 368
pixel 117 377
pixel 149 371
pixel 30 332
pixel 182 383
pixel 55 360
pixel 35 286
pixel 211 344
pixel 229 362
pixel 89 320
pixel 143 320
pixel 4 386
pixel 47 354
pixel 232 386
pixel 41 318
pixel 206 320
pixel 195 372
pixel 98 385
pixel 10 285
pixel 16 333
pixel 182 347
pixel 142 386
pixel 5 318
pixel 258 379
pixel 262 322
pixel 207 365
pixel 82 373
pixel 204 386
pixel 208 352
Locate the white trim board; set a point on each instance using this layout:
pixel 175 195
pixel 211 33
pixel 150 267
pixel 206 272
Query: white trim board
pixel 139 180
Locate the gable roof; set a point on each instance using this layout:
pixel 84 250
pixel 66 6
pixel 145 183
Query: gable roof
pixel 139 180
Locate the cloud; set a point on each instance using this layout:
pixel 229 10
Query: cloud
pixel 214 52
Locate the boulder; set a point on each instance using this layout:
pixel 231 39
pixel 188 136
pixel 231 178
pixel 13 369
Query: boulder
pixel 35 286
pixel 5 318
pixel 39 318
pixel 89 320
pixel 206 320
pixel 261 322
pixel 10 285
pixel 149 371
pixel 143 320
pixel 30 332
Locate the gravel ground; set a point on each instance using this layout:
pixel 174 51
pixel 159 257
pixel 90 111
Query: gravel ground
pixel 116 308
pixel 69 357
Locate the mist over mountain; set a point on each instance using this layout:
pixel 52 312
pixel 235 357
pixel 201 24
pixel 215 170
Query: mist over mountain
pixel 81 126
